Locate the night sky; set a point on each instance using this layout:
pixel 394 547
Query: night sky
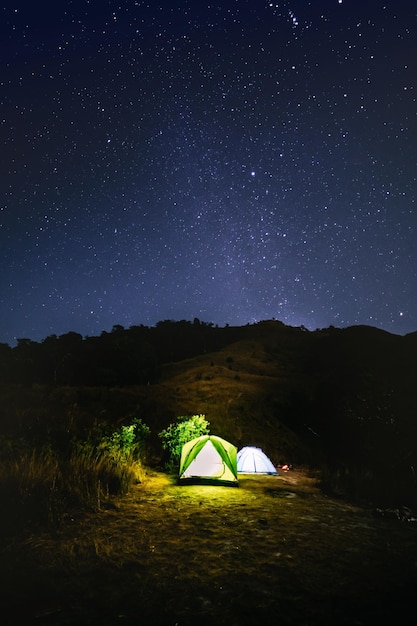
pixel 227 160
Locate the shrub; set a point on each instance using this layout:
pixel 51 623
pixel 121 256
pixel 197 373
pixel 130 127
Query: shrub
pixel 177 434
pixel 126 443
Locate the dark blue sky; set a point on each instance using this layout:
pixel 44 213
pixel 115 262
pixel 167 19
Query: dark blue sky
pixel 234 161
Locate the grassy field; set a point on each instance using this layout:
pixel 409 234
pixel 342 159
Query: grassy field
pixel 91 533
pixel 274 548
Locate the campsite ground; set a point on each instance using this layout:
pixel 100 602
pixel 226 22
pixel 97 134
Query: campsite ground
pixel 275 547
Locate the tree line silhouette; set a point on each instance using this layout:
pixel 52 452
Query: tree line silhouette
pixel 123 356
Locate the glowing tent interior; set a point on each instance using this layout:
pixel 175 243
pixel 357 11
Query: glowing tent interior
pixel 251 460
pixel 209 459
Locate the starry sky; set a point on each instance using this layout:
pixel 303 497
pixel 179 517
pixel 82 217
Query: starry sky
pixel 230 160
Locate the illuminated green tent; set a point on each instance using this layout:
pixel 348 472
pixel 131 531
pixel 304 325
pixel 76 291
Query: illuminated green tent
pixel 208 459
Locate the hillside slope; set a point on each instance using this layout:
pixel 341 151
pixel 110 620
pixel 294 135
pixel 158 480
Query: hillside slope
pixel 342 399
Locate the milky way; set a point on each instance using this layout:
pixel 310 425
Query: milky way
pixel 233 161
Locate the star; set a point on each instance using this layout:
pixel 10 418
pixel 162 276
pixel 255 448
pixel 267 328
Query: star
pixel 233 163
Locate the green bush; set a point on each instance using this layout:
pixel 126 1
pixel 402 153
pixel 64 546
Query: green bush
pixel 177 434
pixel 126 443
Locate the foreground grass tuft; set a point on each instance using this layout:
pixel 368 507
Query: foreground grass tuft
pixel 39 487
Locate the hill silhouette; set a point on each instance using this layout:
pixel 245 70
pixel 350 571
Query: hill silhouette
pixel 342 400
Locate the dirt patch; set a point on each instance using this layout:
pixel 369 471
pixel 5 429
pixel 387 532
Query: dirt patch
pixel 275 547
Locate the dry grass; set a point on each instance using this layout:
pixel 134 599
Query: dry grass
pixel 38 487
pixel 274 548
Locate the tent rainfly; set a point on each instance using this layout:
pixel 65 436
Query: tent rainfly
pixel 208 459
pixel 251 460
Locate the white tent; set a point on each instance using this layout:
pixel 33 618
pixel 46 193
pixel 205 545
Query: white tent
pixel 251 460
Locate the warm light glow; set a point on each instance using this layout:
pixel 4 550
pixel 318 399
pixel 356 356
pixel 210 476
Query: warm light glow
pixel 208 463
pixel 209 457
